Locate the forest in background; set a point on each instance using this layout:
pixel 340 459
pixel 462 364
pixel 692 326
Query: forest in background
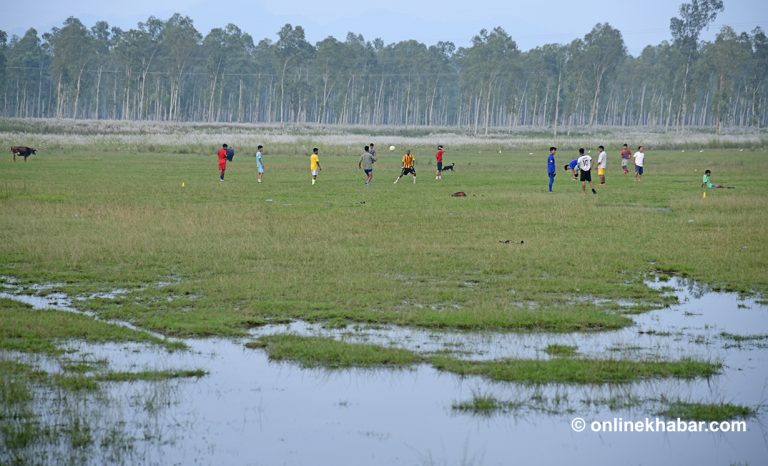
pixel 167 71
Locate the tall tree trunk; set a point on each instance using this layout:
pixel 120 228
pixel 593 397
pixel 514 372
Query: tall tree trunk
pixel 593 112
pixel 59 99
pixel 488 106
pixel 557 104
pixel 719 104
pixel 98 90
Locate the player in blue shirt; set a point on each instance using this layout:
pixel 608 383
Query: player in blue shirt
pixel 573 166
pixel 551 166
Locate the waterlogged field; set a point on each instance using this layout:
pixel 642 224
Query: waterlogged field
pixel 382 308
pixel 240 254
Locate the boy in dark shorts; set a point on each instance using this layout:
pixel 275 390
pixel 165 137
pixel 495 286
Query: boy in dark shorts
pixel 408 167
pixel 585 171
pixel 366 163
pixel 439 160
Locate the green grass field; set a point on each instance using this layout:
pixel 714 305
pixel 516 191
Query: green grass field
pixel 239 254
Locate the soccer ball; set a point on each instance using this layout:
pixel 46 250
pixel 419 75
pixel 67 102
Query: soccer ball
pixel 391 148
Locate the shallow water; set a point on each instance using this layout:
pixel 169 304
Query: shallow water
pixel 249 410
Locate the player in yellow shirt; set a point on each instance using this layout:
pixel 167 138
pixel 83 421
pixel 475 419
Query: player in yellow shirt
pixel 408 161
pixel 314 164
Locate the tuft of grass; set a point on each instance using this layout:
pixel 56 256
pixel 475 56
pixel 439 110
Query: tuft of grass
pixel 79 432
pixel 330 353
pixel 561 351
pixel 80 382
pixel 76 382
pixel 707 411
pixel 576 371
pixel 486 405
pixel 83 366
pixel 14 383
pixel 740 338
pixel 27 330
pixel 150 375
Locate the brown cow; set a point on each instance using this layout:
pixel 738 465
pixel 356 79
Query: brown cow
pixel 22 151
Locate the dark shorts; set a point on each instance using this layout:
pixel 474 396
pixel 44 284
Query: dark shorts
pixel 439 166
pixel 585 175
pixel 408 170
pixel 639 170
pixel 368 171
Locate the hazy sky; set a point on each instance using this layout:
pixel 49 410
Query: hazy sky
pixel 530 23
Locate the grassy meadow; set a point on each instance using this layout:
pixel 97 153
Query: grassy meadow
pixel 509 256
pixel 131 223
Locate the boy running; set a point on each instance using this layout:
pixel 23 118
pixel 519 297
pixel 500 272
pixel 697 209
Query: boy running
pixel 626 154
pixel 314 165
pixel 551 171
pixel 259 163
pixel 408 161
pixel 366 163
pixel 222 161
pixel 439 160
pixel 639 162
pixel 585 173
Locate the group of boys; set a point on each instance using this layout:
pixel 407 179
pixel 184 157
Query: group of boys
pixel 226 153
pixel 581 167
pixel 367 159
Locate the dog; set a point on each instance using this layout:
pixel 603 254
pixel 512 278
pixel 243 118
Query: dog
pixel 449 167
pixel 22 151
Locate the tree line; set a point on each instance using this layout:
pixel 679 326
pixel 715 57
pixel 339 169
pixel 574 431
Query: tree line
pixel 167 71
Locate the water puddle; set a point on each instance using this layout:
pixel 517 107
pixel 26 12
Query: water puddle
pixel 249 410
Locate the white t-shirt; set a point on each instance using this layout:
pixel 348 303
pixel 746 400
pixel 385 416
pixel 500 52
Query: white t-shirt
pixel 639 157
pixel 585 163
pixel 602 159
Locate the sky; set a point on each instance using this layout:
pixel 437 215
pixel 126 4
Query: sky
pixel 529 23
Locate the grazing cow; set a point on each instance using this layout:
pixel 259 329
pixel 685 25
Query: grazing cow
pixel 22 151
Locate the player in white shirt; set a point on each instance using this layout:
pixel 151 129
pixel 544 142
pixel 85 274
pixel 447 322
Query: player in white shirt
pixel 602 158
pixel 639 162
pixel 585 173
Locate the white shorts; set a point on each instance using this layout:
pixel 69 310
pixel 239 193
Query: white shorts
pixel 314 172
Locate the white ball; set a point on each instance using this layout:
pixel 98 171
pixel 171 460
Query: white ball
pixel 391 147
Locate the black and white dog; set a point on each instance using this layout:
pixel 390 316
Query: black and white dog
pixel 448 167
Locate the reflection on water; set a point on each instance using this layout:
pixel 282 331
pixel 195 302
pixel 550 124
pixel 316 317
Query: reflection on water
pixel 249 410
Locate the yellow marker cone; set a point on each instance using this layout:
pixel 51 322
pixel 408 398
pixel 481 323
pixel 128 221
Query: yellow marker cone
pixel 183 184
pixel 704 195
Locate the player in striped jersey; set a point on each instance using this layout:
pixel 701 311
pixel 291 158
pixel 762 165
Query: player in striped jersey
pixel 408 167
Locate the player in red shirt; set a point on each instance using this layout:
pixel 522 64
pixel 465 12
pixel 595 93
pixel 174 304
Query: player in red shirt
pixel 222 161
pixel 439 160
